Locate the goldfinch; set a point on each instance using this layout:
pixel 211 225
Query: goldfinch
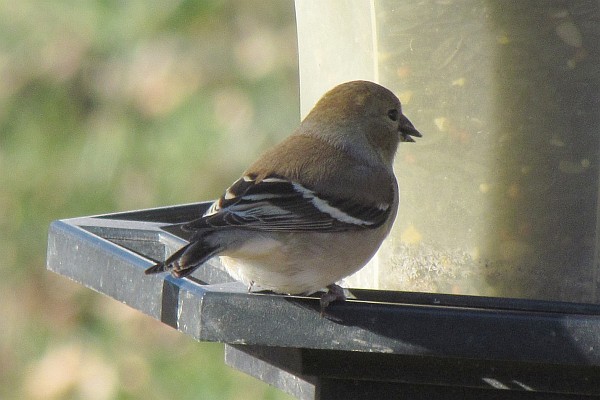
pixel 314 208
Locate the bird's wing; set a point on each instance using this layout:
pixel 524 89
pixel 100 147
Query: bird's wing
pixel 277 204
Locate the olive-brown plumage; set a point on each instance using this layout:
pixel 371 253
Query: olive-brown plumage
pixel 314 208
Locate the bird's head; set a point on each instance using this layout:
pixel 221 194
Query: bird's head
pixel 363 117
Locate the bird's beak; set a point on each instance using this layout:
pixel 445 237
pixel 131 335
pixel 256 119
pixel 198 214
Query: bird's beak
pixel 407 130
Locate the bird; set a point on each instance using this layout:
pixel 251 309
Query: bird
pixel 314 208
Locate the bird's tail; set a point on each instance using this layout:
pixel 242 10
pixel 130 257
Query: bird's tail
pixel 187 259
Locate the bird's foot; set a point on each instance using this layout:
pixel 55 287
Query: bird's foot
pixel 334 293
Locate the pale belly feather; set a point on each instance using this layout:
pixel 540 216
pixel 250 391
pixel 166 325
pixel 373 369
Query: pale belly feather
pixel 299 263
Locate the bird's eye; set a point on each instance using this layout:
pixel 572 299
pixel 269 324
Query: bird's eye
pixel 393 114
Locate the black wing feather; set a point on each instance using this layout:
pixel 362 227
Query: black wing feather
pixel 276 204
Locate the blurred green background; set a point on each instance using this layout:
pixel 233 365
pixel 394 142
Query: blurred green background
pixel 108 106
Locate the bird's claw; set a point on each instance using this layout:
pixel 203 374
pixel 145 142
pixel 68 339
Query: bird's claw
pixel 334 293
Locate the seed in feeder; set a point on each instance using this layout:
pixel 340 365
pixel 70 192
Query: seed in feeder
pixel 411 235
pixel 441 123
pixel 405 96
pixel 513 191
pixel 570 167
pixel 568 32
pixel 403 71
pixel 503 39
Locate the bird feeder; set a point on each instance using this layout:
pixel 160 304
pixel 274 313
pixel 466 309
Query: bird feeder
pixel 488 284
pixel 500 197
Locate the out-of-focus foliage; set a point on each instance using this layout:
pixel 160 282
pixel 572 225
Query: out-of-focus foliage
pixel 118 105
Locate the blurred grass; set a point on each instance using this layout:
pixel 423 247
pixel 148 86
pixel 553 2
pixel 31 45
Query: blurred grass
pixel 109 106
